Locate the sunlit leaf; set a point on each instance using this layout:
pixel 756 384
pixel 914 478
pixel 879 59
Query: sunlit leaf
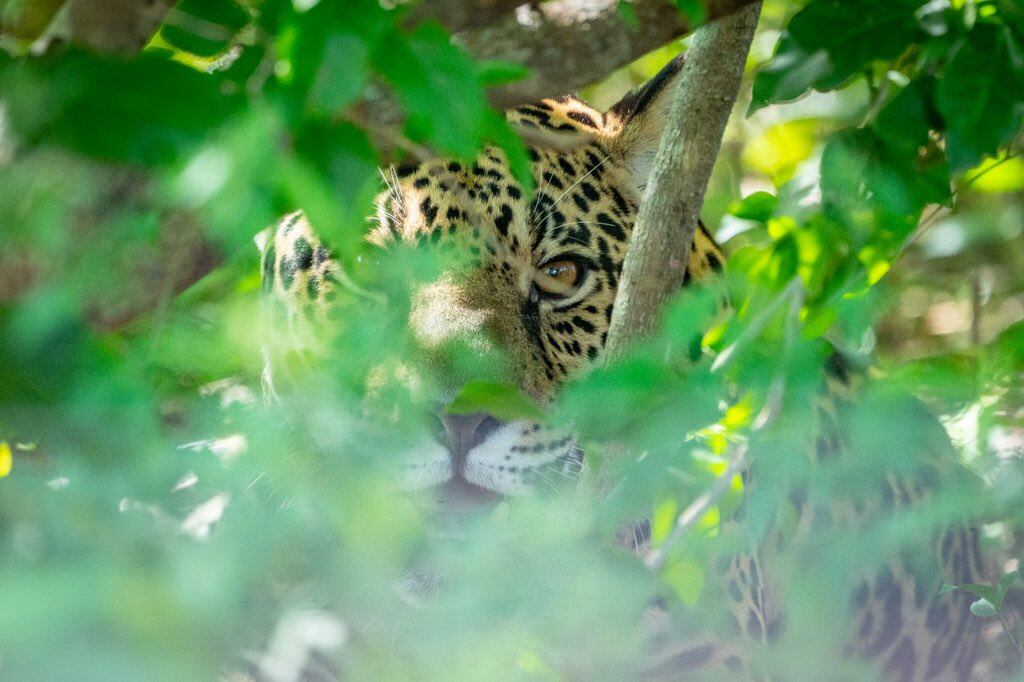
pixel 996 176
pixel 686 578
pixel 779 150
pixel 504 401
pixel 6 458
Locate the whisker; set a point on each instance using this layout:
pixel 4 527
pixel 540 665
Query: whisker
pixel 573 185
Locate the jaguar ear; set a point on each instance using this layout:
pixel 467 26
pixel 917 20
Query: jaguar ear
pixel 637 121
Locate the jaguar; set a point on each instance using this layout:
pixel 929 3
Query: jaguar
pixel 540 285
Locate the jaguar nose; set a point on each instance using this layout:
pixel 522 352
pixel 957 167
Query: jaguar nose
pixel 466 431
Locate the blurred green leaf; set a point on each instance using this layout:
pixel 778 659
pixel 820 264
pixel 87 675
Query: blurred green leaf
pixel 1004 586
pixel 504 401
pixel 983 608
pixel 425 68
pixel 758 206
pixel 893 174
pixel 686 578
pixel 981 94
pixel 342 73
pixel 162 108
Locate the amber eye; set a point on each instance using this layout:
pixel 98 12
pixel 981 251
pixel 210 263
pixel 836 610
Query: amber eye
pixel 558 277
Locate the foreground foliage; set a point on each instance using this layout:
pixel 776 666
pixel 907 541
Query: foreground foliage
pixel 157 521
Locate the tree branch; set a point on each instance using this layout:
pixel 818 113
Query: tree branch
pixel 459 15
pixel 568 44
pixel 120 26
pixel 565 44
pixel 663 235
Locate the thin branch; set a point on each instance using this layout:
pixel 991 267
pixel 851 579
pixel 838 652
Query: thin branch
pixel 928 221
pixel 663 235
pixel 693 513
pixel 792 294
pixel 976 306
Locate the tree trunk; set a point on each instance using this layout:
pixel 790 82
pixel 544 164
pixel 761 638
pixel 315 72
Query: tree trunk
pixel 663 235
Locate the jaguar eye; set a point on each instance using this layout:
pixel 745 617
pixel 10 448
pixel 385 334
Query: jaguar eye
pixel 558 278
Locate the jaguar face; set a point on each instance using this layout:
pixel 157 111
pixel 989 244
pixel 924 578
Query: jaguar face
pixel 540 281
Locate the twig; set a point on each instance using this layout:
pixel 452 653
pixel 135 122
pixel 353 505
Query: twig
pixel 693 513
pixel 792 292
pixel 1009 632
pixel 769 413
pixel 928 221
pixel 975 308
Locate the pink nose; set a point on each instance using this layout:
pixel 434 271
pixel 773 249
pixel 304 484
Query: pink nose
pixel 466 431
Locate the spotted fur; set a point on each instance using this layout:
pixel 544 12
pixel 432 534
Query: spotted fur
pixel 584 209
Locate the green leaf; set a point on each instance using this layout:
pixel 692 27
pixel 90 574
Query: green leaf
pixel 981 95
pixel 986 592
pixel 952 380
pixel 1006 352
pixel 758 206
pixel 886 163
pixel 686 578
pixel 790 74
pixel 148 110
pixel 204 27
pixel 342 73
pixel 324 57
pixel 663 520
pixel 829 41
pixel 1005 583
pixel 905 121
pixel 503 401
pixel 983 608
pixel 426 69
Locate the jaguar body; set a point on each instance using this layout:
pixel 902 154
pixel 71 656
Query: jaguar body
pixel 540 284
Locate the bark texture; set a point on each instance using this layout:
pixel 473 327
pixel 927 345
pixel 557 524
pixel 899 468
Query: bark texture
pixel 115 26
pixel 565 44
pixel 571 43
pixel 663 235
pixel 459 15
pixel 568 44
